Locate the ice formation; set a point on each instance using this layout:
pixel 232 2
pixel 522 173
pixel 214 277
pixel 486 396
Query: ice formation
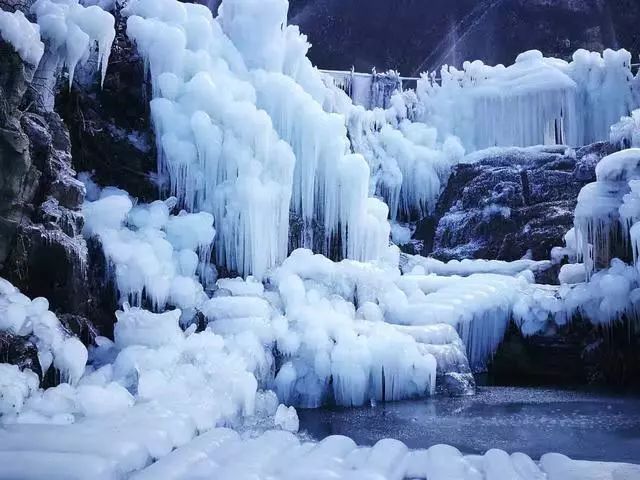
pixel 535 101
pixel 153 255
pixel 626 133
pixel 252 139
pixel 72 31
pixel 409 168
pixel 369 91
pixel 247 166
pixel 596 284
pixel 23 36
pixel 222 453
pixel 607 209
pixel 22 316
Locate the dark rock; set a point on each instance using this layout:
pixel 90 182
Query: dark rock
pixel 110 128
pixel 457 384
pixel 19 351
pixel 511 204
pixel 42 251
pixel 79 326
pixel 576 354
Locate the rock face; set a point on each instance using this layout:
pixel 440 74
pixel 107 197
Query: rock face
pixel 110 130
pixel 576 354
pixel 104 131
pixel 506 204
pixel 41 247
pixel 419 35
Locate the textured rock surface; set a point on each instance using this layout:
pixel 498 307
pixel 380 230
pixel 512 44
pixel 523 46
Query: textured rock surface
pixel 110 129
pixel 510 204
pixel 19 351
pixel 41 249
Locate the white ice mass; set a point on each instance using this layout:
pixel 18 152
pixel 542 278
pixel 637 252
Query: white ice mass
pixel 277 177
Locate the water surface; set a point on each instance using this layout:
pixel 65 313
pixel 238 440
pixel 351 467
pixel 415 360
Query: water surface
pixel 587 426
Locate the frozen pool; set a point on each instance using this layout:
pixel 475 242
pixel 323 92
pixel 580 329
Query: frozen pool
pixel 588 426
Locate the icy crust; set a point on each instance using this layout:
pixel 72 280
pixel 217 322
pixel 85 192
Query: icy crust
pixel 22 316
pixel 151 254
pixel 72 31
pixel 242 134
pixel 535 101
pixel 143 396
pixel 23 36
pixel 181 383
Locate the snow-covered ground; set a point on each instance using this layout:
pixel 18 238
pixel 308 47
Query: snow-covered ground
pixel 251 137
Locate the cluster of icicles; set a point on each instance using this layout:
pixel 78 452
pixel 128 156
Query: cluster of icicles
pixel 240 136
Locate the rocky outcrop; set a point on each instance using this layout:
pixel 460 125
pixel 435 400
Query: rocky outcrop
pixel 576 354
pixel 507 204
pixel 104 131
pixel 110 129
pixel 42 251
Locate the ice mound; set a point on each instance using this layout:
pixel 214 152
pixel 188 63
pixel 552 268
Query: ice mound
pixel 154 255
pixel 23 36
pixel 22 316
pixel 224 454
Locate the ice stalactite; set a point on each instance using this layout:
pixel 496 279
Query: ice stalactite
pixel 535 101
pixel 626 133
pixel 220 153
pixel 602 227
pixel 409 167
pixel 71 32
pixel 329 185
pixel 246 166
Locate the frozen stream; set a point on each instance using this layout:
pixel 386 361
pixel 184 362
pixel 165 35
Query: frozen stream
pixel 585 426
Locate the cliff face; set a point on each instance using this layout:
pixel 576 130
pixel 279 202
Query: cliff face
pixel 418 35
pixel 41 248
pixel 104 131
pixel 510 203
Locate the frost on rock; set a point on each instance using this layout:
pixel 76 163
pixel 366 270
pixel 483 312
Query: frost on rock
pixel 22 316
pixel 23 36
